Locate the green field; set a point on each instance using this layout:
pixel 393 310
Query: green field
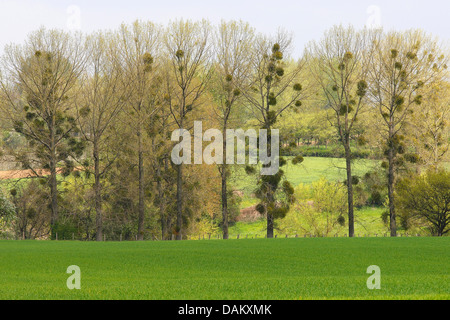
pixel 312 169
pixel 367 219
pixel 316 268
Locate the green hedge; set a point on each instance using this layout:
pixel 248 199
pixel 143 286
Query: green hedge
pixel 324 152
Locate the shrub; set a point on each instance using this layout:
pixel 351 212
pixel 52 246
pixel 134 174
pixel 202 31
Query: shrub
pixel 319 209
pixel 426 197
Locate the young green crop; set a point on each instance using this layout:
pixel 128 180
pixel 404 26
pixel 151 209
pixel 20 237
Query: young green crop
pixel 316 268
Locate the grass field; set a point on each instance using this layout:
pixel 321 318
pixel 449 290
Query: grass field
pixel 316 268
pixel 367 219
pixel 312 169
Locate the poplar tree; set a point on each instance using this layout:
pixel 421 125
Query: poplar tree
pixel 274 87
pixel 403 65
pixel 339 63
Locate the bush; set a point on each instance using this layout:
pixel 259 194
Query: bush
pixel 7 216
pixel 32 214
pixel 7 208
pixel 374 185
pixel 426 197
pixel 320 209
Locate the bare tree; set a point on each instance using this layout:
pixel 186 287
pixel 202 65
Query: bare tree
pixel 232 44
pixel 403 64
pixel 188 54
pixel 101 99
pixel 339 63
pixel 429 129
pixel 138 45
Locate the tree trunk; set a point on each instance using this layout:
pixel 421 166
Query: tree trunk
pixel 392 217
pixel 53 184
pixel 162 204
pixel 351 222
pixel 391 177
pixel 224 203
pixel 97 193
pixel 141 207
pixel 162 209
pixel 168 215
pixel 270 196
pixel 269 226
pixel 179 200
pixel 54 193
pixel 270 218
pixel 224 187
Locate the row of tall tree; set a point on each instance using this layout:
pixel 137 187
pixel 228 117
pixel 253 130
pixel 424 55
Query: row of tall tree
pixel 106 104
pixel 389 72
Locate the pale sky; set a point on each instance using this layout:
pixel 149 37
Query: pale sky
pixel 306 19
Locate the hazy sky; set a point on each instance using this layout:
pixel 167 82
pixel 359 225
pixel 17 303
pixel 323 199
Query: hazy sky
pixel 306 19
